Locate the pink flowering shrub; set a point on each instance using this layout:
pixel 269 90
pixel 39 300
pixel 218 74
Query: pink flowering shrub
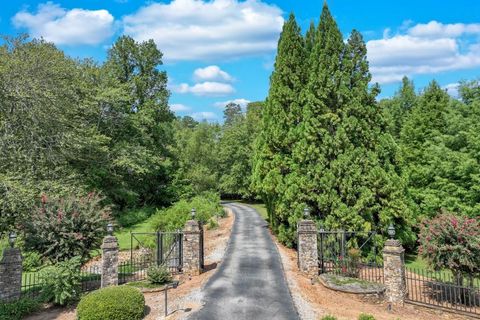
pixel 61 229
pixel 451 242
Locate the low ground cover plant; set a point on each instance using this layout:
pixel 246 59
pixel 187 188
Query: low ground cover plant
pixel 112 303
pixel 19 309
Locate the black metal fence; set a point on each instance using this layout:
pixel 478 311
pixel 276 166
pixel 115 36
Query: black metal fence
pixel 34 282
pixel 442 290
pixel 350 254
pixel 163 248
pixel 134 269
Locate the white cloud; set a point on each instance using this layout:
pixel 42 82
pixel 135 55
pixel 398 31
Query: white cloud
pixel 207 30
pixel 207 88
pixel 452 89
pixel 178 107
pixel 438 29
pixel 206 115
pixel 75 26
pixel 424 49
pixel 212 73
pixel 242 102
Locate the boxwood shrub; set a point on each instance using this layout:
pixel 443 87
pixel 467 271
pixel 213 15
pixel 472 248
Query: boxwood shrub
pixel 112 303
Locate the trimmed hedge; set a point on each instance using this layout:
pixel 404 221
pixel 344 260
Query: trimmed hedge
pixel 112 303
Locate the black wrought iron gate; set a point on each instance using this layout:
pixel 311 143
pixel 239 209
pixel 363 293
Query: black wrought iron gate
pixel 162 248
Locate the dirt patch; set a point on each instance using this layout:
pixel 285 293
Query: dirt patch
pixel 314 300
pixel 186 297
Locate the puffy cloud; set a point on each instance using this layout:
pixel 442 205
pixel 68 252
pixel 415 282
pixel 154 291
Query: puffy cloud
pixel 207 88
pixel 205 115
pixel 452 89
pixel 178 107
pixel 424 49
pixel 211 73
pixel 242 102
pixel 76 26
pixel 438 29
pixel 207 30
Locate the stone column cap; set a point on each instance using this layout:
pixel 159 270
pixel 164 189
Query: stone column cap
pixel 393 246
pixel 307 226
pixel 192 226
pixel 109 242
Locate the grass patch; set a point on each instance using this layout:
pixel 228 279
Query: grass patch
pixel 346 281
pixel 145 284
pixel 123 235
pixel 132 217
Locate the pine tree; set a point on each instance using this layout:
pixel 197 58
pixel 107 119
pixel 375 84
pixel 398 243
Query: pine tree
pixel 398 108
pixel 310 38
pixel 345 158
pixel 282 113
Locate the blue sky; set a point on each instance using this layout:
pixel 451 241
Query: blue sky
pixel 223 50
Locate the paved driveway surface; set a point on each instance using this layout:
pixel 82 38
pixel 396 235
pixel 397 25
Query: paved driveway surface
pixel 249 283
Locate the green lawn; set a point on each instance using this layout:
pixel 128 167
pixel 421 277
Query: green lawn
pixel 123 235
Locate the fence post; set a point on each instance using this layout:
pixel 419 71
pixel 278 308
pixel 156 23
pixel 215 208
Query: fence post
pixel 11 274
pixel 192 248
pixel 109 261
pixel 394 271
pixel 307 247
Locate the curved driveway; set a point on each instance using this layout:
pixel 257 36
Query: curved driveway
pixel 249 283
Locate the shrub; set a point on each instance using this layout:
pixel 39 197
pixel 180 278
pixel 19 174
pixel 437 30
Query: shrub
pixel 212 224
pixel 61 282
pixel 31 261
pixel 112 303
pixel 451 242
pixel 18 309
pixel 329 317
pixel 365 316
pixel 173 218
pixel 78 226
pixel 158 275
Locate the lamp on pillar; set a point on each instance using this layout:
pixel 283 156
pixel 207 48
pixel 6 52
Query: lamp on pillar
pixel 12 236
pixel 193 213
pixel 306 213
pixel 110 229
pixel 391 231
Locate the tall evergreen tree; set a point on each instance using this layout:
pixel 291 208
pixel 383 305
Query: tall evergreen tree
pixel 398 108
pixel 281 114
pixel 345 158
pixel 310 38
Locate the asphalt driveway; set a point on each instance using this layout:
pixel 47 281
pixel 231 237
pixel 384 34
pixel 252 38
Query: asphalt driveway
pixel 249 283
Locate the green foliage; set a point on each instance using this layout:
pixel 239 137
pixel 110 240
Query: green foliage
pixel 324 142
pixel 281 117
pixel 131 217
pixel 175 217
pixel 212 224
pixel 158 274
pixel 112 303
pixel 365 316
pixel 329 317
pixel 451 242
pixel 67 227
pixel 31 261
pixel 19 309
pixel 61 282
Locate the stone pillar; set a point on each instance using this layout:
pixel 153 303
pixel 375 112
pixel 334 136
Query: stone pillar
pixel 191 248
pixel 10 274
pixel 109 261
pixel 307 247
pixel 394 271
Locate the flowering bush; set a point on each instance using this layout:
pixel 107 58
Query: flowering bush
pixel 451 242
pixel 61 229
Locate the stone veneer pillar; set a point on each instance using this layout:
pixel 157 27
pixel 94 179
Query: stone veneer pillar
pixel 109 261
pixel 307 247
pixel 191 248
pixel 10 274
pixel 394 271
